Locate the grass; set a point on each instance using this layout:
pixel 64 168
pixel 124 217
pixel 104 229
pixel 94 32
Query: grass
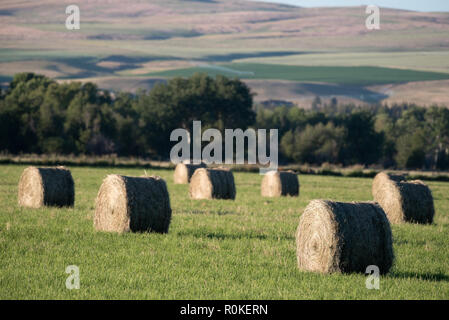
pixel 242 249
pixel 352 75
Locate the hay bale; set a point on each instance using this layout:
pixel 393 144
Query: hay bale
pixel 136 204
pixel 184 172
pixel 46 187
pixel 343 237
pixel 212 184
pixel 384 177
pixel 276 184
pixel 403 201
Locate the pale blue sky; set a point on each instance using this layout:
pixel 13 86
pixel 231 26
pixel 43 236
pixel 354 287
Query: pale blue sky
pixel 417 5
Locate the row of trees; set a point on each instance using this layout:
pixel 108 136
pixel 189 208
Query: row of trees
pixel 39 115
pixel 400 136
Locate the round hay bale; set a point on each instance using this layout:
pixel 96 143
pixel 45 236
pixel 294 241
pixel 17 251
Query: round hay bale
pixel 384 177
pixel 212 184
pixel 403 201
pixel 184 172
pixel 46 187
pixel 343 237
pixel 136 204
pixel 276 184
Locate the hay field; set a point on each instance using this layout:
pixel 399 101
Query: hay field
pixel 242 249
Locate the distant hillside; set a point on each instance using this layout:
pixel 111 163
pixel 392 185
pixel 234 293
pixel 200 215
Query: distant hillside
pixel 119 40
pixel 225 24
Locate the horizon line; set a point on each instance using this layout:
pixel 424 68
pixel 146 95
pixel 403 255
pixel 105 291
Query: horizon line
pixel 288 3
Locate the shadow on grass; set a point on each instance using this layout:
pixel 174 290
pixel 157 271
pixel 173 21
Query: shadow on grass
pixel 435 277
pixel 231 236
pixel 412 242
pixel 217 212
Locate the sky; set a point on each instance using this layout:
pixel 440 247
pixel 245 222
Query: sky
pixel 417 5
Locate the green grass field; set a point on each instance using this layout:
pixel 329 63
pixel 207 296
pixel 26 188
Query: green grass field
pixel 352 75
pixel 242 249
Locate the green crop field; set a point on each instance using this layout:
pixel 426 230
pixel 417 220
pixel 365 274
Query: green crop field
pixel 216 249
pixel 354 75
pixel 429 61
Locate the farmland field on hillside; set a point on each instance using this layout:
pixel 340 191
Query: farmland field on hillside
pixel 329 74
pixel 119 40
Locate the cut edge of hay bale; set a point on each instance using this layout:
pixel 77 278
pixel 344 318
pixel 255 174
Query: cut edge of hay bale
pixel 280 183
pixel 343 237
pixel 212 184
pixel 385 177
pixel 386 192
pixel 30 189
pixel 132 204
pixel 403 201
pixel 184 172
pixel 52 186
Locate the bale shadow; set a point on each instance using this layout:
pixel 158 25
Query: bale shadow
pixel 428 276
pixel 231 236
pixel 222 235
pixel 219 212
pixel 408 242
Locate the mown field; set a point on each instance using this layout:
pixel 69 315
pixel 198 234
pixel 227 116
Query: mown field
pixel 242 249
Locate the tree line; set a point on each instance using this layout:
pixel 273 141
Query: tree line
pixel 399 136
pixel 40 115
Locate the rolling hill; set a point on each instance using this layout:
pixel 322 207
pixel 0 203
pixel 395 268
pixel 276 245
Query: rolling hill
pixel 130 44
